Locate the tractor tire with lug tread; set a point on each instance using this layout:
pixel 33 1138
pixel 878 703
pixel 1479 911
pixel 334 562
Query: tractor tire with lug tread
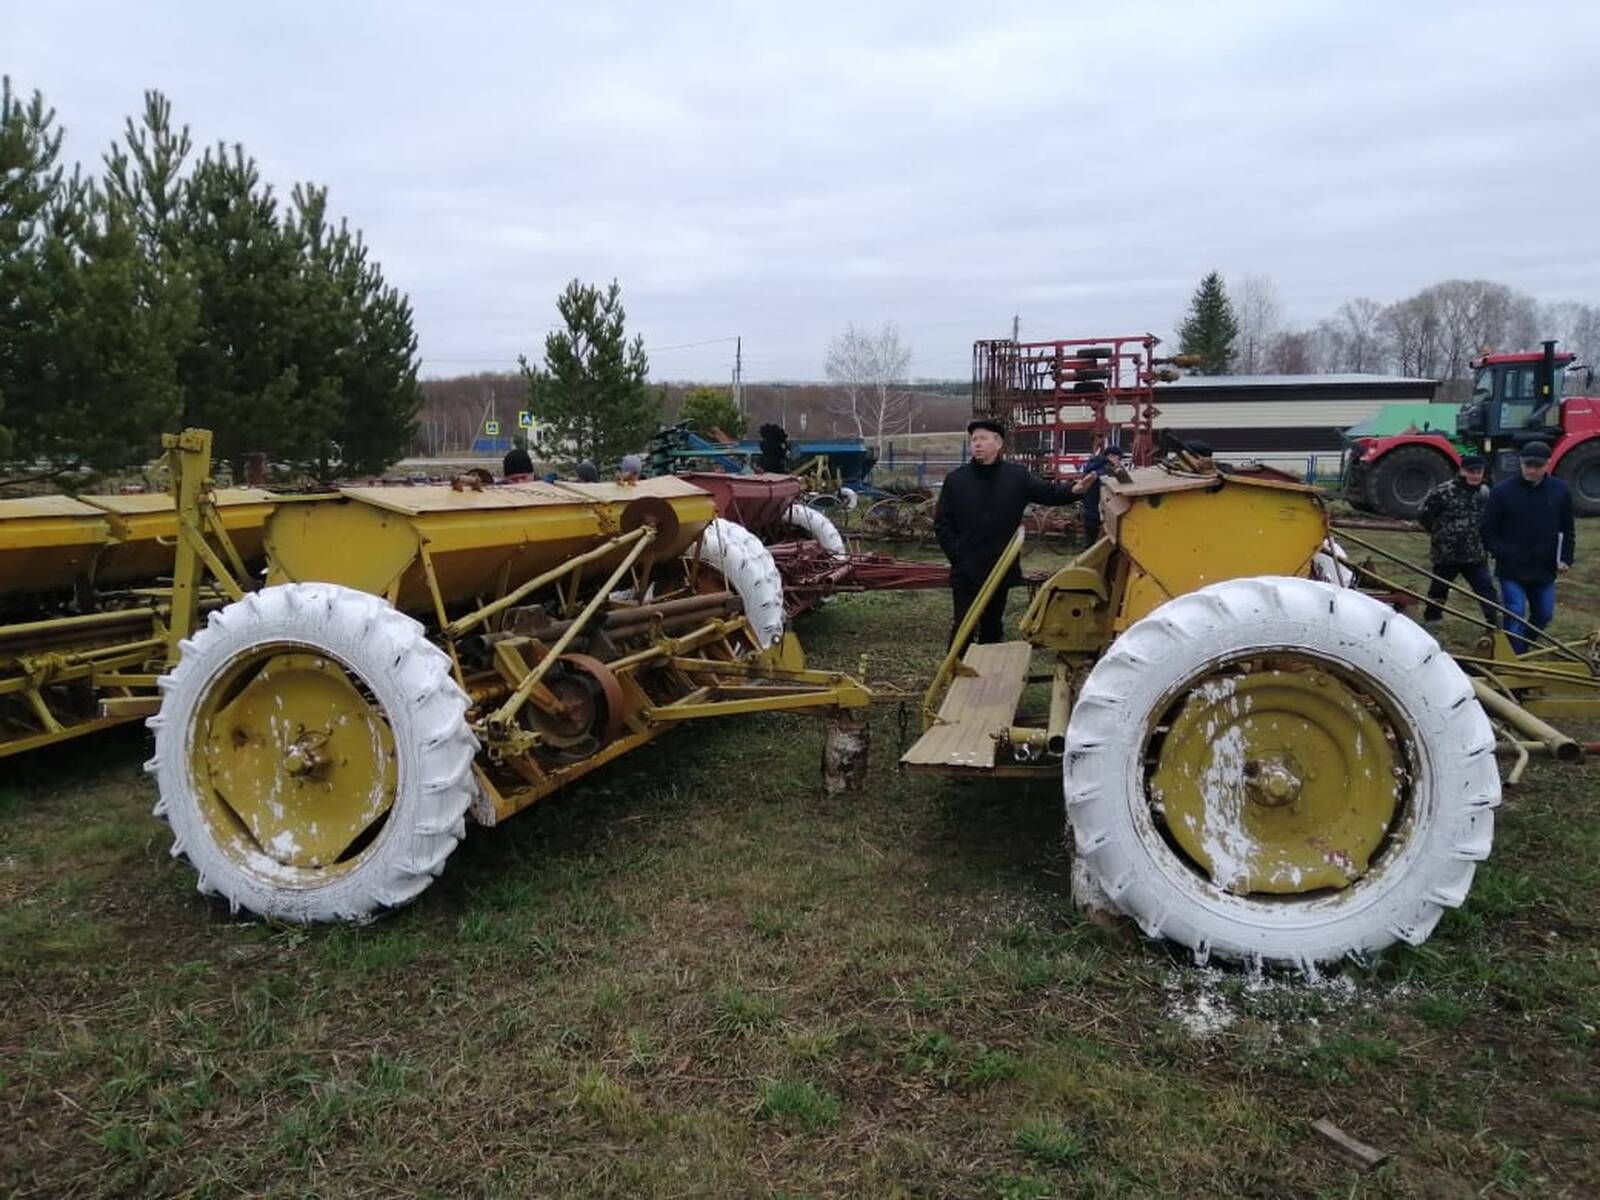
pixel 747 567
pixel 1580 471
pixel 1091 352
pixel 1282 676
pixel 313 755
pixel 1355 489
pixel 1398 481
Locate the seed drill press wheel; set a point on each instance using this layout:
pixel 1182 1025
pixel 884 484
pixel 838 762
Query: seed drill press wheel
pixel 747 566
pixel 313 755
pixel 1280 770
pixel 816 526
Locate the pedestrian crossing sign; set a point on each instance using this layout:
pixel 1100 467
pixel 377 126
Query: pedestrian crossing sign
pixel 491 428
pixel 525 419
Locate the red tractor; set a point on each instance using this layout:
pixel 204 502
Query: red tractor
pixel 1516 399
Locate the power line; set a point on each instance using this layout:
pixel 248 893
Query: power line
pixel 648 350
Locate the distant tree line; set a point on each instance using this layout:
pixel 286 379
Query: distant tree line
pixel 1433 334
pixel 172 290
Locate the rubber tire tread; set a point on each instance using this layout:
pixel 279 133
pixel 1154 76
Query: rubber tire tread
pixel 815 525
pixel 1578 458
pixel 747 566
pixel 1429 869
pixel 1380 476
pixel 410 679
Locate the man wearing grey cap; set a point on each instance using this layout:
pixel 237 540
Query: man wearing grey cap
pixel 1528 527
pixel 629 470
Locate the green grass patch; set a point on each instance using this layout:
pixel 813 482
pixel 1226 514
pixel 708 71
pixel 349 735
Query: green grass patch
pixel 1049 1141
pixel 797 1104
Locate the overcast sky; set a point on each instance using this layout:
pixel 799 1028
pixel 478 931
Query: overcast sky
pixel 773 171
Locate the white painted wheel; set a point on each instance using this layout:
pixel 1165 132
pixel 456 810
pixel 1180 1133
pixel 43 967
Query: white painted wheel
pixel 817 527
pixel 1332 565
pixel 850 498
pixel 313 755
pixel 746 565
pixel 1205 681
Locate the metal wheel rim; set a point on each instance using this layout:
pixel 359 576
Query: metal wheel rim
pixel 298 797
pixel 1262 865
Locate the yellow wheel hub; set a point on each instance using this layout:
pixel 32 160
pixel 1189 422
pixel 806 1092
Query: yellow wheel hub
pixel 288 746
pixel 1278 781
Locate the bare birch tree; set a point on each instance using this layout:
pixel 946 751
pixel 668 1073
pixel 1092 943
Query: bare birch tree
pixel 1576 326
pixel 1357 339
pixel 1260 317
pixel 869 369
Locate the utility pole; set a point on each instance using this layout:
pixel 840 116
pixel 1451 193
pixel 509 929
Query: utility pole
pixel 738 374
pixel 1016 328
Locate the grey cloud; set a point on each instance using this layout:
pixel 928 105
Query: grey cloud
pixel 775 172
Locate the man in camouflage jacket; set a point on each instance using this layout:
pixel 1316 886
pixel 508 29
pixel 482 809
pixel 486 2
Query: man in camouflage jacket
pixel 1452 513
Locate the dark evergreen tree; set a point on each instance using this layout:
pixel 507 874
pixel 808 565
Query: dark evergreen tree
pixel 1211 327
pixel 592 393
pixel 240 378
pixel 88 369
pixel 705 409
pixel 354 346
pixel 29 182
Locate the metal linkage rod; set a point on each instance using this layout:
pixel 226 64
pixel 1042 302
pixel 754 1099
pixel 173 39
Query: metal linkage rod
pixel 507 712
pixel 462 625
pixel 1553 644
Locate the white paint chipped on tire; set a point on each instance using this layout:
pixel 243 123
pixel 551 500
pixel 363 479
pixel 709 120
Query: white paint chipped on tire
pixel 409 679
pixel 1446 827
pixel 748 569
pixel 817 527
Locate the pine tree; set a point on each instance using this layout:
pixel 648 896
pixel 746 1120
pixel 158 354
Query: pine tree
pixel 240 378
pixel 86 364
pixel 705 409
pixel 1211 327
pixel 591 393
pixel 30 183
pixel 168 296
pixel 353 346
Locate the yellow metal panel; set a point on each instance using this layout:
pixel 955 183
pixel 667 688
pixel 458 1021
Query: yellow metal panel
pixel 977 705
pixel 417 501
pixel 48 542
pixel 1171 536
pixel 350 544
pixel 477 540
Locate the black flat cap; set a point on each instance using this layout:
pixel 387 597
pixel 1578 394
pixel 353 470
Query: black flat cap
pixel 994 426
pixel 1535 452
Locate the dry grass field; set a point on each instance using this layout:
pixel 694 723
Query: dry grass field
pixel 693 974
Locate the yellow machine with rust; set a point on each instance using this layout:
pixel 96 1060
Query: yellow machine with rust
pixel 338 682
pixel 1260 761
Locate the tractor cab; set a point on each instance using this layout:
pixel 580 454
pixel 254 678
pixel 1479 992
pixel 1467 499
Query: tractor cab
pixel 1516 398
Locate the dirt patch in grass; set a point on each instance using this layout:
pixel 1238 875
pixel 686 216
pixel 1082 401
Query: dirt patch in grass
pixel 694 974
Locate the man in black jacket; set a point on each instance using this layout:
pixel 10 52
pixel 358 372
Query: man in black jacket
pixel 1528 527
pixel 980 507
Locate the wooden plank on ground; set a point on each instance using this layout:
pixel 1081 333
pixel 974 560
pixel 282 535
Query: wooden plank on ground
pixel 975 707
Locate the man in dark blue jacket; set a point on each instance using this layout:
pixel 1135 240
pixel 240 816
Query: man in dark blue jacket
pixel 1528 527
pixel 1107 462
pixel 980 507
